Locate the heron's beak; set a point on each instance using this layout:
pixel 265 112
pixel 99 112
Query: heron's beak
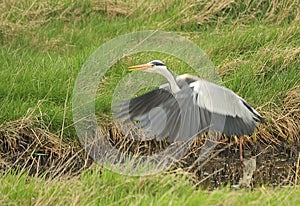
pixel 139 67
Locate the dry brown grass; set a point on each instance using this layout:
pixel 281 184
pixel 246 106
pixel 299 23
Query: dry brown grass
pixel 25 15
pixel 286 124
pixel 27 145
pixel 238 11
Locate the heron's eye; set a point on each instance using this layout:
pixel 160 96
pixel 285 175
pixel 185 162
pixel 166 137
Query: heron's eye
pixel 152 65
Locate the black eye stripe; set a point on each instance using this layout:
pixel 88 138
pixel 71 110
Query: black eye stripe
pixel 158 63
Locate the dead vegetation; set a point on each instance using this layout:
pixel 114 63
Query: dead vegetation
pixel 26 15
pixel 238 11
pixel 27 146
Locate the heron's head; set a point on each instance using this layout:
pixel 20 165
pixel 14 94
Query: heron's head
pixel 155 66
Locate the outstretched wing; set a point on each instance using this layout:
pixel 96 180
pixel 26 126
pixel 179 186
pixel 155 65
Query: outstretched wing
pixel 160 114
pixel 197 107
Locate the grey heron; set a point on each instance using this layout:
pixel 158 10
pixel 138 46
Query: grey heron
pixel 187 106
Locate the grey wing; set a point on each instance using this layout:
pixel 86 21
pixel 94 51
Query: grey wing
pixel 161 115
pixel 147 112
pixel 197 108
pixel 227 112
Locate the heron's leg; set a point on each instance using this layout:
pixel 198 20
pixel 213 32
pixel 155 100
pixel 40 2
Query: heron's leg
pixel 241 140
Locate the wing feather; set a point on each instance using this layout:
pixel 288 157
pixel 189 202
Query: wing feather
pixel 197 107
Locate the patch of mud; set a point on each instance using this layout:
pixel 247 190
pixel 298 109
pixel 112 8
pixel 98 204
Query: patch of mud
pixel 276 163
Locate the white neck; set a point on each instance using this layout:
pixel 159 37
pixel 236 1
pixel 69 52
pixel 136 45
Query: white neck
pixel 171 79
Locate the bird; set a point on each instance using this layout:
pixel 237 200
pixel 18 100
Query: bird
pixel 186 106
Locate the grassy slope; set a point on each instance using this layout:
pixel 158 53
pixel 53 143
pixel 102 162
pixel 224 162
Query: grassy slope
pixel 44 46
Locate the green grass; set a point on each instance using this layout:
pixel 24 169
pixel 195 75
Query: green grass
pixel 44 45
pixel 114 189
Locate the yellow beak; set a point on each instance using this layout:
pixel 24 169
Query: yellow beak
pixel 139 67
